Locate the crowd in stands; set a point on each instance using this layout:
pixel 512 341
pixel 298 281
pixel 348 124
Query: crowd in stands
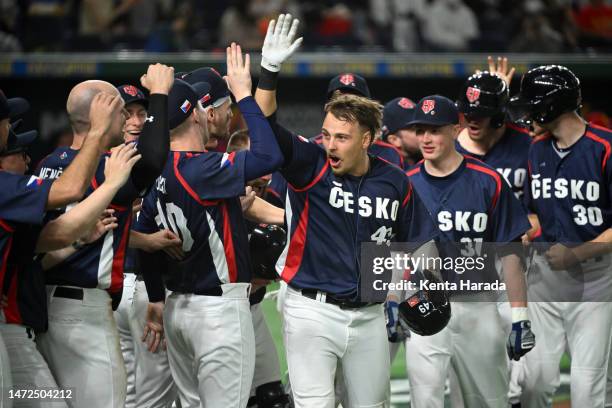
pixel 537 26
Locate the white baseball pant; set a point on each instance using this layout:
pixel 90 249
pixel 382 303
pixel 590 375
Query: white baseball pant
pixel 267 366
pixel 154 383
pixel 320 335
pixel 126 340
pixel 211 347
pixel 6 380
pixel 28 368
pixel 473 343
pixel 82 349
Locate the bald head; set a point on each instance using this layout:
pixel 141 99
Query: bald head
pixel 79 102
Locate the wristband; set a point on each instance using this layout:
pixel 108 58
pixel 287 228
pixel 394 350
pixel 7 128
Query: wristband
pixel 519 314
pixel 267 80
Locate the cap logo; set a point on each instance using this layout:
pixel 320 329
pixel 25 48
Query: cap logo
pixel 413 301
pixel 406 103
pixel 205 98
pixel 186 106
pixel 347 79
pixel 428 105
pixel 472 94
pixel 130 90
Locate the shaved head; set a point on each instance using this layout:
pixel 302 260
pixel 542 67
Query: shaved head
pixel 79 102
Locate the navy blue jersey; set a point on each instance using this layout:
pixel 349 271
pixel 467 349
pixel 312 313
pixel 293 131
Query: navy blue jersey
pixel 22 201
pixel 508 156
pixel 570 189
pixel 329 216
pixel 101 263
pixel 197 198
pixel 387 152
pixel 276 192
pixel 471 206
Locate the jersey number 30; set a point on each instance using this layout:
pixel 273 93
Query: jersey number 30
pixel 175 221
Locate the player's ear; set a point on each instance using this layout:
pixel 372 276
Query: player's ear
pixel 456 131
pixel 367 139
pixel 394 140
pixel 210 114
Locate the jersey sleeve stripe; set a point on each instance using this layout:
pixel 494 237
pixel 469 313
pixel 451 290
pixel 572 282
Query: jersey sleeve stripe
pixel 414 171
pixel 313 182
pixel 599 127
pixel 495 176
pixel 605 144
pixel 119 258
pixel 296 246
pixel 6 227
pixel 187 187
pixel 408 195
pixel 228 246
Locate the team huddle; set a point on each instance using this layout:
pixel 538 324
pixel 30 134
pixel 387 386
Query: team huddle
pixel 135 261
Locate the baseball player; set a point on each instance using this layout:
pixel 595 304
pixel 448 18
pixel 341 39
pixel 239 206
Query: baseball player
pixel 88 284
pixel 472 205
pixel 569 191
pixel 23 200
pixel 220 114
pixel 395 131
pixel 337 198
pixel 149 381
pixel 197 197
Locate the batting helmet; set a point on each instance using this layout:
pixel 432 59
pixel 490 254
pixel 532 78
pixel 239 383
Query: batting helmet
pixel 427 311
pixel 484 95
pixel 265 245
pixel 546 92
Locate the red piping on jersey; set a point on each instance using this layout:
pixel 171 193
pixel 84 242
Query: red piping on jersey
pixel 187 187
pixel 541 138
pixel 606 145
pixel 7 227
pixel 386 161
pixel 273 192
pixel 414 171
pixel 11 312
pixel 296 246
pixel 313 182
pixel 228 245
pixel 119 258
pixel 95 185
pixel 9 244
pixel 517 128
pixel 407 198
pixel 605 129
pixel 398 151
pixel 495 176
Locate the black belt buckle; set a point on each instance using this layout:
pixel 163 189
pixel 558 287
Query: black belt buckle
pixel 68 293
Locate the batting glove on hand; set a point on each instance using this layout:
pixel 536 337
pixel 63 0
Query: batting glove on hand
pixel 521 340
pixel 396 330
pixel 279 45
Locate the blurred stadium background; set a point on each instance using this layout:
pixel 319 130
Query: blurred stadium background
pixel 406 48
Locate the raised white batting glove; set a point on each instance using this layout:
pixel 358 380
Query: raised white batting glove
pixel 279 45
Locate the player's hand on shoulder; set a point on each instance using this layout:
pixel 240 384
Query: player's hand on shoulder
pixel 103 112
pixel 153 334
pixel 396 330
pixel 158 79
pixel 238 76
pixel 521 340
pixel 247 200
pixel 119 165
pixel 279 44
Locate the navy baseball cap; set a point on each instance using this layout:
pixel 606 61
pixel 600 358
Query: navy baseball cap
pixel 218 87
pixel 351 83
pixel 183 98
pixel 18 142
pixel 397 113
pixel 132 94
pixel 435 110
pixel 9 108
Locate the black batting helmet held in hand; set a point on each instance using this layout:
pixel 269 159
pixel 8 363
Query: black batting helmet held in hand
pixel 426 312
pixel 484 95
pixel 546 92
pixel 265 245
